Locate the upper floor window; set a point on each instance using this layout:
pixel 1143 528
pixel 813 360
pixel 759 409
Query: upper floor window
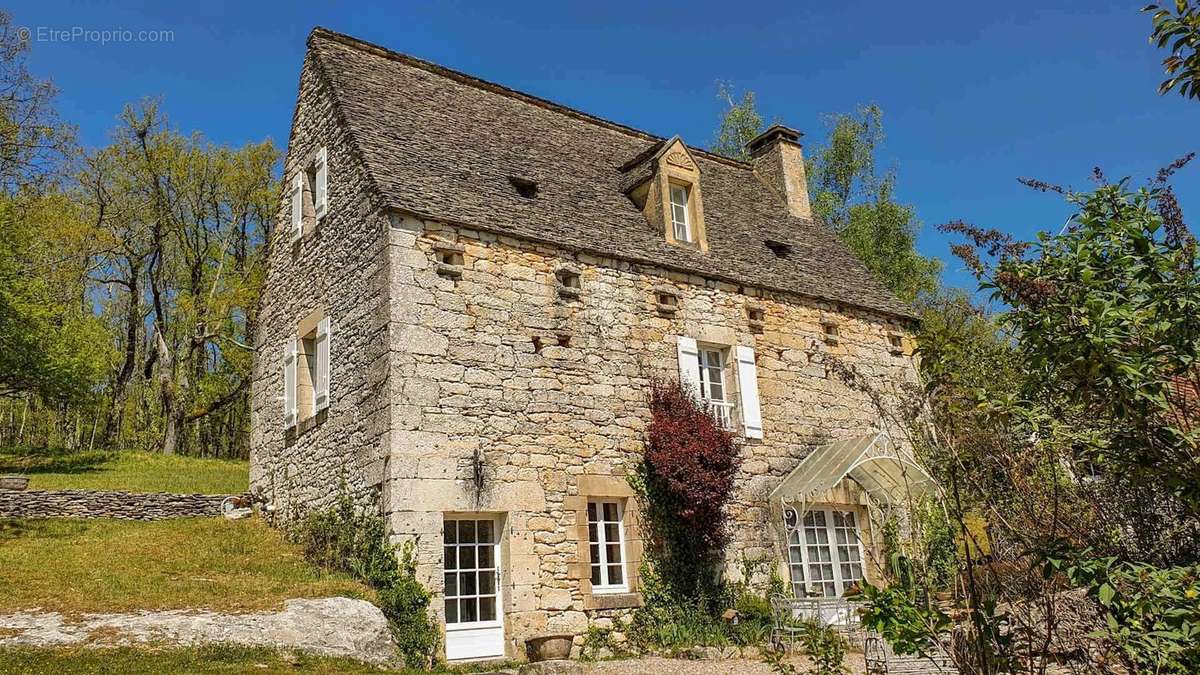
pixel 712 385
pixel 306 371
pixel 712 373
pixel 679 213
pixel 310 194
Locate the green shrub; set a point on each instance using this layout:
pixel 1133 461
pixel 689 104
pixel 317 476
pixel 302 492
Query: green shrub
pixel 346 539
pixel 825 647
pixel 1152 613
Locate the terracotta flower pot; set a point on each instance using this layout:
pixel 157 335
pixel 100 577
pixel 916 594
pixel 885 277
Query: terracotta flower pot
pixel 549 647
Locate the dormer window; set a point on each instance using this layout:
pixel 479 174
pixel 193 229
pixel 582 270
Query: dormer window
pixel 679 213
pixel 664 181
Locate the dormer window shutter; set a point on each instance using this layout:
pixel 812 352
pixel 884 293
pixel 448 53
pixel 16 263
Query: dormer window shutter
pixel 297 207
pixel 747 374
pixel 320 201
pixel 689 366
pixel 289 384
pixel 321 385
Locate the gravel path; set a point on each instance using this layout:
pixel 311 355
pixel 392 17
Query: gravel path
pixel 657 665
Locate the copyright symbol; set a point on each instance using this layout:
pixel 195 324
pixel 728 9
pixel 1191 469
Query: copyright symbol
pixel 23 34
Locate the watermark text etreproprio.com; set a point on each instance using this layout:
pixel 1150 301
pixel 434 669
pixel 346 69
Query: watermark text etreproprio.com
pixel 102 36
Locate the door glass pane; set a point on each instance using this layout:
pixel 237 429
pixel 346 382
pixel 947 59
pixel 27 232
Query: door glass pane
pixel 487 609
pixel 466 557
pixel 485 556
pixel 450 558
pixel 487 583
pixel 610 533
pixel 466 583
pixel 451 584
pixel 469 609
pixel 596 575
pixel 451 610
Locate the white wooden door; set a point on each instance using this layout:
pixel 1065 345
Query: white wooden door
pixel 474 617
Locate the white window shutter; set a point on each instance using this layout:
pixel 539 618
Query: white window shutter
pixel 747 374
pixel 297 207
pixel 322 186
pixel 689 366
pixel 321 386
pixel 289 384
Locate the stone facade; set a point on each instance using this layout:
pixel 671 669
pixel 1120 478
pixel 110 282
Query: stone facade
pixel 465 380
pixel 338 268
pixel 108 504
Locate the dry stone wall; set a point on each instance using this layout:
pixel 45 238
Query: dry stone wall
pixel 108 504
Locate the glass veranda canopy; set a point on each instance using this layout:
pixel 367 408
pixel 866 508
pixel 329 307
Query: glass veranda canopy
pixel 887 475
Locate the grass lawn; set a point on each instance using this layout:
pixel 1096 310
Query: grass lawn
pixel 112 566
pixel 129 471
pixel 206 659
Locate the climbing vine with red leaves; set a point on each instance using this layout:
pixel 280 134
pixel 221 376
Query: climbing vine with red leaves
pixel 688 476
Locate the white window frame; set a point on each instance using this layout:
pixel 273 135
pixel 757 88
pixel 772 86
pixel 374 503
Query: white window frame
pixel 686 223
pixel 840 583
pixel 725 407
pixel 602 543
pixel 321 186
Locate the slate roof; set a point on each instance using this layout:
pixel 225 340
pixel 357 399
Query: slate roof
pixel 442 145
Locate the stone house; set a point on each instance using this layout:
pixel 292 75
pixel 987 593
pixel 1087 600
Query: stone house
pixel 465 298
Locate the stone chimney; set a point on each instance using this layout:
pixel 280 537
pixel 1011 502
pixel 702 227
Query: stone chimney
pixel 779 162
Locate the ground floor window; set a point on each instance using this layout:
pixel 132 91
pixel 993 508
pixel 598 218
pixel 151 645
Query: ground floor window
pixel 606 539
pixel 824 552
pixel 471 572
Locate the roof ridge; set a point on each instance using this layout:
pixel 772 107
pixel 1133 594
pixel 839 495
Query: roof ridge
pixel 471 80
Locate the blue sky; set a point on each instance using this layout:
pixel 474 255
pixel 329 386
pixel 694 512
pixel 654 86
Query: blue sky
pixel 973 94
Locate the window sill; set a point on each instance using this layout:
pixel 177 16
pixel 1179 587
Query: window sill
pixel 625 600
pixel 293 433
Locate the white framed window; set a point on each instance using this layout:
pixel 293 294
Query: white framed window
pixel 680 223
pixel 702 372
pixel 825 553
pixel 712 385
pixel 606 540
pixel 321 183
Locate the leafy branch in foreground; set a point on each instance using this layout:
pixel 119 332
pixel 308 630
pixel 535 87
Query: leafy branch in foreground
pixel 1178 25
